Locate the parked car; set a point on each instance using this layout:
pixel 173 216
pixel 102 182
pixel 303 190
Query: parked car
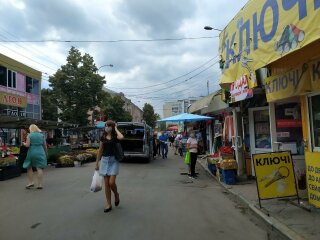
pixel 138 140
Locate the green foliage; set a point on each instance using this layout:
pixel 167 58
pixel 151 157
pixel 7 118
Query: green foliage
pixel 162 126
pixel 77 87
pixel 49 105
pixel 149 115
pixel 113 108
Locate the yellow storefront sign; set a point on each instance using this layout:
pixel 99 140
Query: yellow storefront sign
pixel 313 178
pixel 13 100
pixel 315 75
pixel 265 31
pixel 274 175
pixel 288 84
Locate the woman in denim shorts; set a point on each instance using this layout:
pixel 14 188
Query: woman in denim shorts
pixel 109 166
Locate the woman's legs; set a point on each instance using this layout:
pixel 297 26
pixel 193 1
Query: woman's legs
pixel 30 175
pixel 113 186
pixel 40 176
pixel 107 191
pixel 193 158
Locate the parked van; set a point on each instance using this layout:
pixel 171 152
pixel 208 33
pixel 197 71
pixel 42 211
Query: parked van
pixel 137 141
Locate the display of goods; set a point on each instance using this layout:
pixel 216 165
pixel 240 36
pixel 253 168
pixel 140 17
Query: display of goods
pixel 226 150
pixel 91 150
pixel 14 150
pixel 8 161
pixel 212 160
pixel 215 155
pixel 65 160
pixel 228 164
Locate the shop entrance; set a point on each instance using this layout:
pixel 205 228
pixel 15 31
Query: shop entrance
pixel 260 134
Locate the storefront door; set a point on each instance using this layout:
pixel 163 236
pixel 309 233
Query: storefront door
pixel 260 134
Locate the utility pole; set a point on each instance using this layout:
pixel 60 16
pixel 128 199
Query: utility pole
pixel 208 86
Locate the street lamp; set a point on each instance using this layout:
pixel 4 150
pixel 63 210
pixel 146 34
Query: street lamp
pixel 211 28
pixel 106 65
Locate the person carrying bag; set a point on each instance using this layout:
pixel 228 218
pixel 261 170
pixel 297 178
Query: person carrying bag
pixel 110 153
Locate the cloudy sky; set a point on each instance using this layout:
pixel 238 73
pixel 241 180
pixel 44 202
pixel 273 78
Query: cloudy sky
pixel 146 71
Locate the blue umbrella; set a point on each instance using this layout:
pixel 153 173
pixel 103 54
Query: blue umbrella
pixel 100 125
pixel 185 117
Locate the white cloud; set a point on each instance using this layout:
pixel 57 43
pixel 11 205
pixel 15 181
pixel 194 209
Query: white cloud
pixel 136 64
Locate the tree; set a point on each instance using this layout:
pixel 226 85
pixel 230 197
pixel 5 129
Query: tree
pixel 149 115
pixel 77 87
pixel 49 105
pixel 113 109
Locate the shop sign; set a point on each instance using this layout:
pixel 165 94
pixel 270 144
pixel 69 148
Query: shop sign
pixel 16 113
pixel 289 123
pixel 13 100
pixel 274 175
pixel 239 89
pixel 265 31
pixel 315 75
pixel 288 84
pixel 313 179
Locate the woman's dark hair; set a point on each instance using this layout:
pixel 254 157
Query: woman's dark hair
pixel 112 124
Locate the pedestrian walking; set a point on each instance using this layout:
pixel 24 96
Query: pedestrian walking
pixel 36 156
pixel 177 143
pixel 109 166
pixel 164 144
pixel 192 145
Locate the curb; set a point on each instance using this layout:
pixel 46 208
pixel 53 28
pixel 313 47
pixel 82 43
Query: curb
pixel 271 221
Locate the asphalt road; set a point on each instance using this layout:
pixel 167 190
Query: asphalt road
pixel 157 202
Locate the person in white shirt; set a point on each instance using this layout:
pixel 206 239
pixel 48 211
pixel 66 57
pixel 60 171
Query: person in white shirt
pixel 192 146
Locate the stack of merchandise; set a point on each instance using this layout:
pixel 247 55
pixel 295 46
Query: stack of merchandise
pixel 227 165
pixel 212 161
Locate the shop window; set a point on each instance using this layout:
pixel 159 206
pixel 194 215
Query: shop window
pixel 3 76
pixel 262 129
pixel 35 86
pixel 289 127
pixel 28 84
pixel 29 111
pixel 315 121
pixel 12 79
pixel 36 108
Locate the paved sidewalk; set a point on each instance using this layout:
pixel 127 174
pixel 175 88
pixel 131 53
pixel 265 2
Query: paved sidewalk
pixel 292 221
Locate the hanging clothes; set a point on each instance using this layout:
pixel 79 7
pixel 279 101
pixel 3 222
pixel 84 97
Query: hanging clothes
pixel 228 129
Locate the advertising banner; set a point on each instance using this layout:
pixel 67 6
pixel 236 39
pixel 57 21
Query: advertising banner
pixel 313 178
pixel 239 90
pixel 265 31
pixel 13 100
pixel 274 175
pixel 289 84
pixel 315 75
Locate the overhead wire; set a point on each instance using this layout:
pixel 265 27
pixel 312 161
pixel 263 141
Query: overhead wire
pixel 109 41
pixel 154 85
pixel 185 80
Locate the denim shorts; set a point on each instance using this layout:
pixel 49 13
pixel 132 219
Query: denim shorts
pixel 109 166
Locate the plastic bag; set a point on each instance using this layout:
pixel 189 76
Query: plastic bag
pixel 96 184
pixel 187 159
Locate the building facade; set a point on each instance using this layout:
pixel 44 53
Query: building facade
pixel 20 91
pixel 134 110
pixel 177 107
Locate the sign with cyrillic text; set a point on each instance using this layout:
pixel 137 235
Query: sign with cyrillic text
pixel 274 175
pixel 313 178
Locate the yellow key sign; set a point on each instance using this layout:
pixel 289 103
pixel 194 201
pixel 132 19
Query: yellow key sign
pixel 274 175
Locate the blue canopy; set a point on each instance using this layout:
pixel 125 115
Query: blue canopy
pixel 185 117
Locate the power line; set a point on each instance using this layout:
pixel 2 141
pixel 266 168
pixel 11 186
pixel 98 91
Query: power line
pixel 108 41
pixel 155 85
pixel 185 80
pixel 29 48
